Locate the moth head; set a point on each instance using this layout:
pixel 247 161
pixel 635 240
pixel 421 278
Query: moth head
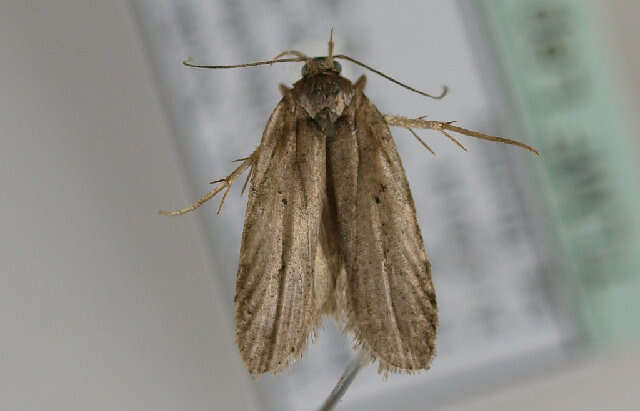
pixel 319 65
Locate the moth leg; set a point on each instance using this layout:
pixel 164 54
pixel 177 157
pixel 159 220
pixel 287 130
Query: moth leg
pixel 246 181
pixel 442 126
pixel 449 136
pixel 222 184
pixel 227 184
pixel 421 141
pixel 237 160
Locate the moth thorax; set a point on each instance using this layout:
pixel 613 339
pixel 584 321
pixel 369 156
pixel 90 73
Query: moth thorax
pixel 330 94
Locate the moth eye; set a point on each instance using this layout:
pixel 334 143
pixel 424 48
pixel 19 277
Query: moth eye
pixel 304 70
pixel 337 66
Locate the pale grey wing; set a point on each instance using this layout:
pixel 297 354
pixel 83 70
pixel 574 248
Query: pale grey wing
pixel 274 306
pixel 386 295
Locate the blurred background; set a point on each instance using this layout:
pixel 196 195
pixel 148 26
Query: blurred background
pixel 106 305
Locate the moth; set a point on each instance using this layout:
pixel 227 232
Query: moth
pixel 330 227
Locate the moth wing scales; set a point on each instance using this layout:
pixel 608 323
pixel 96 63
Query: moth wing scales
pixel 274 309
pixel 386 294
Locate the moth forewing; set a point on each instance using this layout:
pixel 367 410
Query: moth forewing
pixel 274 304
pixel 387 294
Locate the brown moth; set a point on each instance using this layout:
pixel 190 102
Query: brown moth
pixel 331 228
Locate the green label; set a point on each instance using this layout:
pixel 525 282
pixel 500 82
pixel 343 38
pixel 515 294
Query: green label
pixel 560 88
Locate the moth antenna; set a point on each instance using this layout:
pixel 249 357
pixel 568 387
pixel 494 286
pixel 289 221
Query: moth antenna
pixel 296 53
pixel 445 89
pixel 225 182
pixel 188 63
pixel 420 140
pixel 331 48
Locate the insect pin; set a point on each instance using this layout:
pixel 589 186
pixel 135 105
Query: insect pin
pixel 330 227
